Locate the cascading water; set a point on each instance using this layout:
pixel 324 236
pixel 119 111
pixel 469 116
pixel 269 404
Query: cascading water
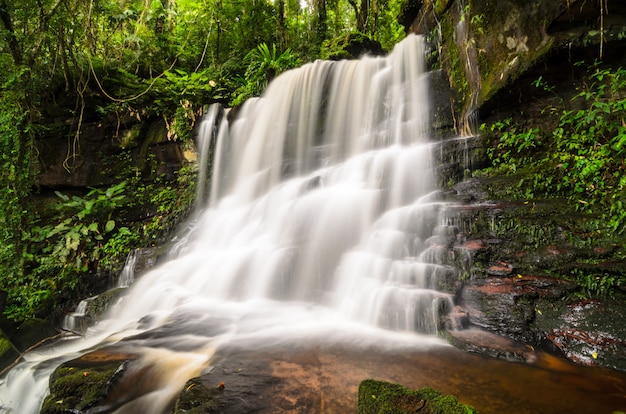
pixel 318 227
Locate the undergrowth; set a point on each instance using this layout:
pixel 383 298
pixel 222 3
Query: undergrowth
pixel 579 159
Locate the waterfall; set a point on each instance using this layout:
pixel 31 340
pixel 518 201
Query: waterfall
pixel 320 227
pixel 206 135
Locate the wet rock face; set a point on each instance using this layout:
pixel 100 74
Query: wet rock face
pixel 92 159
pixel 486 44
pixel 519 282
pixel 508 305
pixel 590 332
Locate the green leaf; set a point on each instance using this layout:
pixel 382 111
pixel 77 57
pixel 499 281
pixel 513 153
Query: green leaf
pixel 109 226
pixel 62 196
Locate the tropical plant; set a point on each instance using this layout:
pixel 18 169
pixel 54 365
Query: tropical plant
pixel 63 249
pixel 264 63
pixel 584 152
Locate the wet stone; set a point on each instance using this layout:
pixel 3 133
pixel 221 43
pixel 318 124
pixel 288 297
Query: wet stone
pixel 500 269
pixel 584 334
pixel 487 343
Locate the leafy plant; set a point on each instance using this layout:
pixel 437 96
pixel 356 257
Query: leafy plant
pixel 542 84
pixel 590 146
pixel 16 141
pixel 183 93
pixel 596 284
pixel 514 144
pixel 264 63
pixel 585 150
pixel 60 251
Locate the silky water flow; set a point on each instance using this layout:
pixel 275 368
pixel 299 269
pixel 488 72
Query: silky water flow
pixel 315 228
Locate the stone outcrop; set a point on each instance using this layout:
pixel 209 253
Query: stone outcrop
pixel 519 288
pixel 95 156
pixel 485 45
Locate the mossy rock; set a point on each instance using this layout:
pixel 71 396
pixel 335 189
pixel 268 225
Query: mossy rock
pixel 101 303
pixel 350 46
pixel 33 331
pixel 198 399
pixel 8 353
pixel 75 387
pixel 380 397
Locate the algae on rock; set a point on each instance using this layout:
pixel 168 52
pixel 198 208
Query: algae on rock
pixel 384 397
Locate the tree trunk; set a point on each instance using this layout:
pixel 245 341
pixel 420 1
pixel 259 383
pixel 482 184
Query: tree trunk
pixel 361 21
pixel 14 46
pixel 219 31
pixel 282 38
pixel 321 24
pixel 361 14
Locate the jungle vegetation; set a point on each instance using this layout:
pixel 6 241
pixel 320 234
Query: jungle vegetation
pixel 169 59
pixel 133 58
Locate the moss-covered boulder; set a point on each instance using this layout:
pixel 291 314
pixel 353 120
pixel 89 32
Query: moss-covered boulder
pixel 380 397
pixel 350 46
pixel 8 351
pixel 82 383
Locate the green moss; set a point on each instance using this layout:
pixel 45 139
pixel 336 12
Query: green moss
pixel 453 62
pixel 349 46
pixel 5 346
pixel 441 6
pixel 197 399
pixel 76 388
pixel 8 353
pixel 379 397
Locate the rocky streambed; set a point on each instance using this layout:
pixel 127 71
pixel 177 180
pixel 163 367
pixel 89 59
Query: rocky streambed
pixel 326 380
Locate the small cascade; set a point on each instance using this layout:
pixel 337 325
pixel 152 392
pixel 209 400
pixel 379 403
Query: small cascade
pixel 77 321
pixel 206 136
pixel 127 275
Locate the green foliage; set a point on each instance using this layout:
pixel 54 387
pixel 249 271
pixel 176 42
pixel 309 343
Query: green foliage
pixel 542 84
pixel 596 284
pixel 60 251
pixel 515 145
pixel 179 94
pixel 76 240
pixel 348 46
pixel 264 63
pixel 16 176
pixel 584 152
pixel 590 146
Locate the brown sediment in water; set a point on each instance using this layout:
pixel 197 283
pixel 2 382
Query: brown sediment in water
pixel 327 380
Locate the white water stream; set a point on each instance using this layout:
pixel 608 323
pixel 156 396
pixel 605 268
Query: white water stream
pixel 321 207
